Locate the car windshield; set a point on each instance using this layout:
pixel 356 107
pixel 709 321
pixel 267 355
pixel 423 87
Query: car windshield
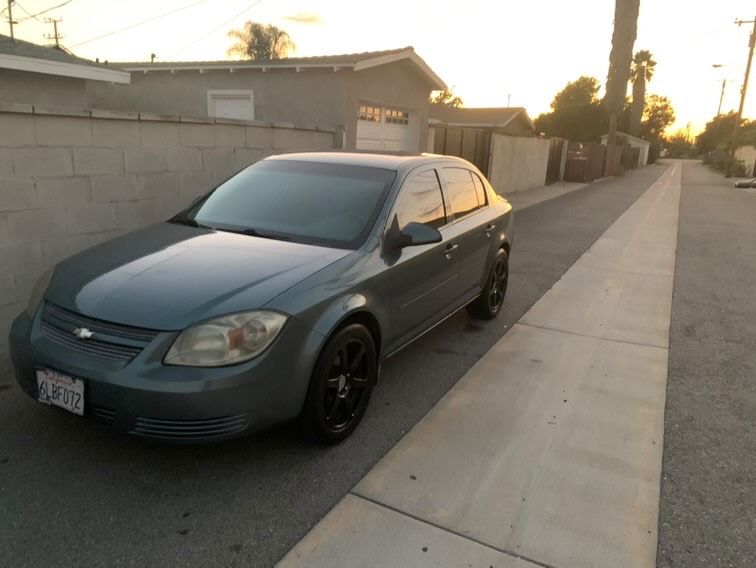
pixel 310 202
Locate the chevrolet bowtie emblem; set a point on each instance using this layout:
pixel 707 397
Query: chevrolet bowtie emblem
pixel 83 333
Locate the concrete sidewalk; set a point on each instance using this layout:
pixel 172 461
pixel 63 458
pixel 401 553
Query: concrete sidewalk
pixel 548 451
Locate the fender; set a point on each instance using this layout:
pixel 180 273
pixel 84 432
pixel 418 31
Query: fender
pixel 340 309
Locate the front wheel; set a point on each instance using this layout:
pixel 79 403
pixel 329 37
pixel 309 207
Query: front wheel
pixel 341 385
pixel 488 305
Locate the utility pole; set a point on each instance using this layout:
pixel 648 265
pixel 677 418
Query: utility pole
pixel 10 18
pixel 721 97
pixel 55 35
pixel 751 45
pixel 724 84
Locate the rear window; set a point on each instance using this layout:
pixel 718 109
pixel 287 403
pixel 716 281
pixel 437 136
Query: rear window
pixel 318 203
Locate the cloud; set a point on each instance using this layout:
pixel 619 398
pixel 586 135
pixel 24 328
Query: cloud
pixel 306 18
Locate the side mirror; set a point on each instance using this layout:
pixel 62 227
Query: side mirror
pixel 415 234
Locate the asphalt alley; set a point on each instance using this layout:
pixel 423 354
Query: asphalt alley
pixel 70 489
pixel 548 452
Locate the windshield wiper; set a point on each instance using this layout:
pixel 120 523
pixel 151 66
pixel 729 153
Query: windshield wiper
pixel 254 233
pixel 189 222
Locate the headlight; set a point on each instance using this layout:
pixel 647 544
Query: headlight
pixel 38 292
pixel 226 340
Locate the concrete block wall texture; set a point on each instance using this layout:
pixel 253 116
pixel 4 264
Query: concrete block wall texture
pixel 71 180
pixel 517 163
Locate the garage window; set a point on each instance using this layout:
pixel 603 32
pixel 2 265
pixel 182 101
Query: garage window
pixel 394 116
pixel 238 104
pixel 370 113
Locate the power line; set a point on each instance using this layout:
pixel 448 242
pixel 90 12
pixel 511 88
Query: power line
pixel 201 38
pixel 132 26
pixel 25 11
pixel 30 16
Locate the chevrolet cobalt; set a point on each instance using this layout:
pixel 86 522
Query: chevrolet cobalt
pixel 275 296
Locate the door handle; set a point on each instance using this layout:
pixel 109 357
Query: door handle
pixel 449 248
pixel 490 227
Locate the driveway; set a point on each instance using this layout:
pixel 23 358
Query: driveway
pixel 72 492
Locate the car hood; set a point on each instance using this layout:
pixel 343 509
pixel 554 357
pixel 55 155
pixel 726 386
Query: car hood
pixel 169 276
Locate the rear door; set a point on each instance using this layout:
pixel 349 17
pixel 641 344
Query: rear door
pixel 423 279
pixel 467 203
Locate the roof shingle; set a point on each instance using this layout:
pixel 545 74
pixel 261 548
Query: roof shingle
pixel 23 48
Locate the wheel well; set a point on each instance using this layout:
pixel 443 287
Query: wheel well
pixel 368 320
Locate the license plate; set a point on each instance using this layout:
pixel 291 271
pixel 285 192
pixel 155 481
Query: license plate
pixel 57 389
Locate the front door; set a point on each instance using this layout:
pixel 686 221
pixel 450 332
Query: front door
pixel 423 279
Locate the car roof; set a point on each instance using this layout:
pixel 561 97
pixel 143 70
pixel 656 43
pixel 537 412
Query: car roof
pixel 395 162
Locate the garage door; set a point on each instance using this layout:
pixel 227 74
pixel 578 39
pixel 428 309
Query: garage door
pixel 384 128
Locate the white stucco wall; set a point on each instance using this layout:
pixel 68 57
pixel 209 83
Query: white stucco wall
pixel 517 163
pixel 747 155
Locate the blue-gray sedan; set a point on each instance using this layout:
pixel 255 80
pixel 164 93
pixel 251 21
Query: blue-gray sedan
pixel 275 296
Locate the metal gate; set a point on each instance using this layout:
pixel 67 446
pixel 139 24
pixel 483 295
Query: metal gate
pixel 555 160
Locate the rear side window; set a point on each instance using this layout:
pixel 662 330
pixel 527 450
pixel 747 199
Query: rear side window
pixel 420 201
pixel 461 192
pixel 479 189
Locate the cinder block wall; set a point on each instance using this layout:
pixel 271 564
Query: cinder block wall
pixel 72 179
pixel 517 162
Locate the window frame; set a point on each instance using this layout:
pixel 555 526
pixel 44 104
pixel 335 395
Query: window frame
pixel 401 115
pixel 370 106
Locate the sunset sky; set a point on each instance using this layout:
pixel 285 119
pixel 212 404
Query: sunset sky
pixel 484 49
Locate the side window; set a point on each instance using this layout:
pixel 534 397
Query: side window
pixel 479 189
pixel 462 194
pixel 420 201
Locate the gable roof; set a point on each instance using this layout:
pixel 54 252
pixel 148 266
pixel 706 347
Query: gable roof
pixel 490 117
pixel 22 55
pixel 353 61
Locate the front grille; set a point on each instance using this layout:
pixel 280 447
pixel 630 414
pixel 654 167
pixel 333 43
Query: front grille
pixel 110 340
pixel 207 429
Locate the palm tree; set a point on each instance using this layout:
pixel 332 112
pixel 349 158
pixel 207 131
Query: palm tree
pixel 641 72
pixel 261 42
pixel 623 38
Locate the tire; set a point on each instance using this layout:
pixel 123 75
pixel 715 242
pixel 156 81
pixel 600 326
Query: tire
pixel 488 305
pixel 340 386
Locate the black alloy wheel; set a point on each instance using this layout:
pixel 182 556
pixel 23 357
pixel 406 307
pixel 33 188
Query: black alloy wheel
pixel 489 303
pixel 341 385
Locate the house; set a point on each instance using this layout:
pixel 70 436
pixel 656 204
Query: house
pixel 513 121
pixel 376 100
pixel 49 76
pixel 635 142
pixel 467 132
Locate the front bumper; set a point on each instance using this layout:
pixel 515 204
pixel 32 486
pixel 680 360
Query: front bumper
pixel 146 398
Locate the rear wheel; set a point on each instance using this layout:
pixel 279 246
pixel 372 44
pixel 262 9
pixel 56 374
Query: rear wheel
pixel 341 385
pixel 488 305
